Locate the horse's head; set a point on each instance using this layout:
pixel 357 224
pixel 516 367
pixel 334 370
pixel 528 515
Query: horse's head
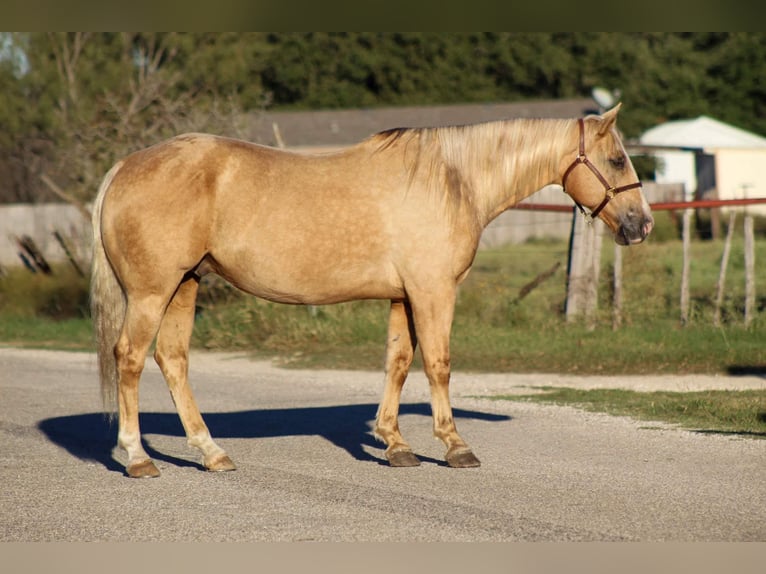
pixel 601 177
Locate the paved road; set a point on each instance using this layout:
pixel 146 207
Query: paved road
pixel 308 468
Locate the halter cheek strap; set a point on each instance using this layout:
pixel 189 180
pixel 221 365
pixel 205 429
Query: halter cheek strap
pixel 609 190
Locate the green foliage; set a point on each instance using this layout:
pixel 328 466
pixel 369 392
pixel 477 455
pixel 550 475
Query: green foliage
pixel 83 99
pixel 661 75
pixel 61 295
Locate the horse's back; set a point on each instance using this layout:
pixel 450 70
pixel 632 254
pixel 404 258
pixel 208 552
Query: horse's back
pixel 283 225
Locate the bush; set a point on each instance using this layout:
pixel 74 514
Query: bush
pixel 61 295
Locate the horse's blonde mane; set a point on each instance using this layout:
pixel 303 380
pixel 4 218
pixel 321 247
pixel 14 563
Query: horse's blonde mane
pixel 469 165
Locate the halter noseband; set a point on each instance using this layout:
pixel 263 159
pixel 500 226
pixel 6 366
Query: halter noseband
pixel 610 191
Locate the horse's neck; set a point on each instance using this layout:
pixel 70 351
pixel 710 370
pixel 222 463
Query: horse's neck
pixel 509 161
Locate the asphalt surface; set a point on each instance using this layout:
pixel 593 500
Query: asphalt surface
pixel 309 469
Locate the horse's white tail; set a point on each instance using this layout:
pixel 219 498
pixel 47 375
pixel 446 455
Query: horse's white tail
pixel 107 303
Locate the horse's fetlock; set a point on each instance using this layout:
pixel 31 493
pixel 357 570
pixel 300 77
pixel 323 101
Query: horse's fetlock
pixel 384 432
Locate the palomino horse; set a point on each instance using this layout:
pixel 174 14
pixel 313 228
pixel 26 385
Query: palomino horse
pixel 397 216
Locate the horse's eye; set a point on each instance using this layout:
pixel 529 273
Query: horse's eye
pixel 618 162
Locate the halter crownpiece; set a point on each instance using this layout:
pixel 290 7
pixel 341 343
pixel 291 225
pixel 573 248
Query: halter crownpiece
pixel 609 190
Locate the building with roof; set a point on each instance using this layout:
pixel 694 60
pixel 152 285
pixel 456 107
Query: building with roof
pixel 711 159
pixel 324 129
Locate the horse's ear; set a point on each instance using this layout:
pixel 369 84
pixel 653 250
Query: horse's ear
pixel 608 119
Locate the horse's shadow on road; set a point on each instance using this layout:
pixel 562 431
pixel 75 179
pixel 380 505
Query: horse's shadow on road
pixel 91 436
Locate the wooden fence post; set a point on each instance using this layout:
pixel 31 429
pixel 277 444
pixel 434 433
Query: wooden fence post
pixel 617 297
pixel 584 268
pixel 686 236
pixel 722 272
pixel 749 271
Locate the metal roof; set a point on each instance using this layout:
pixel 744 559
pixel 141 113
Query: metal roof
pixel 704 132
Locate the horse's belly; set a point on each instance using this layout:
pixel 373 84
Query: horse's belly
pixel 322 282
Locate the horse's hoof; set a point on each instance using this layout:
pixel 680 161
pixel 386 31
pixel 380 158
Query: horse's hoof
pixel 220 464
pixel 462 458
pixel 143 469
pixel 402 458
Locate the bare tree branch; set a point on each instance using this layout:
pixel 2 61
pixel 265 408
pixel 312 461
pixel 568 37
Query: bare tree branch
pixel 65 196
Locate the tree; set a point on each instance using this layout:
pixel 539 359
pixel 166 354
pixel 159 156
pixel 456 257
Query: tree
pixel 97 97
pixel 737 92
pixel 71 103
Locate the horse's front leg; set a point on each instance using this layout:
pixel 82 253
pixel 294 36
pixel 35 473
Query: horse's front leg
pixel 400 350
pixel 433 322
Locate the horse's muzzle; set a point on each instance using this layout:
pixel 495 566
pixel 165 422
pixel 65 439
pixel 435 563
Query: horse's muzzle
pixel 634 229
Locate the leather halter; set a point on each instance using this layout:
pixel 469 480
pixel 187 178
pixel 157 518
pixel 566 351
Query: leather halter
pixel 610 190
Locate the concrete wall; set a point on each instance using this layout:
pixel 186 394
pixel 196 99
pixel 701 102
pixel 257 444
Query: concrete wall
pixel 517 226
pixel 39 221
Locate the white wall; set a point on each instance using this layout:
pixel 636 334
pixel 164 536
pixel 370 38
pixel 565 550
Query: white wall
pixel 741 174
pixel 677 167
pixel 39 221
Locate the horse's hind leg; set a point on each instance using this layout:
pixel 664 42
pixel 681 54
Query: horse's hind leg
pixel 141 319
pixel 172 355
pixel 399 353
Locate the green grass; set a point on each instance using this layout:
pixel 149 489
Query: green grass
pixel 42 333
pixel 45 311
pixel 493 330
pixel 350 335
pixel 726 412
